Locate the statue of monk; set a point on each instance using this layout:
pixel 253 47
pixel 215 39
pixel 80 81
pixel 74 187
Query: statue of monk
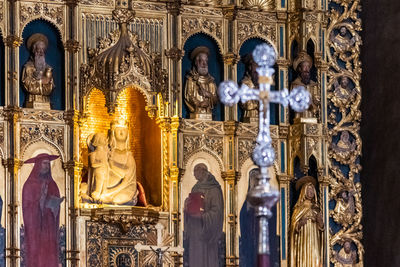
pixel 250 79
pixel 200 88
pixel 37 75
pixel 306 227
pixel 121 184
pixel 303 64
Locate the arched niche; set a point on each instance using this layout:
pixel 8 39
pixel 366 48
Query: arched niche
pixel 311 52
pixel 247 48
pixel 247 224
pixel 54 57
pixel 188 181
pixel 59 175
pixel 144 136
pixel 2 71
pixel 215 68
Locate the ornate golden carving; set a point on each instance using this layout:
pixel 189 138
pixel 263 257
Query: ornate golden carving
pixel 344 119
pixel 231 58
pixel 197 24
pixel 193 143
pixel 72 46
pixel 245 147
pixel 125 220
pixel 259 4
pixel 229 12
pixel 256 29
pixel 196 126
pixel 31 11
pixel 175 53
pixel 42 115
pixel 33 132
pixel 13 41
pixel 98 2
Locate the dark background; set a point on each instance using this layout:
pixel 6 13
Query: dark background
pixel 380 131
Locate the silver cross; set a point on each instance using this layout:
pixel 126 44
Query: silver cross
pixel 262 197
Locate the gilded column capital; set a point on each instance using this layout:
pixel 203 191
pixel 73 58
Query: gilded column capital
pixel 72 165
pixel 229 12
pixel 13 41
pixel 175 122
pixel 230 127
pixel 12 163
pixel 71 117
pixel 174 7
pixel 320 63
pixel 283 131
pixel 12 113
pixel 72 46
pixel 231 58
pixel 283 63
pixel 165 123
pixel 175 53
pixel 284 178
pixel 229 175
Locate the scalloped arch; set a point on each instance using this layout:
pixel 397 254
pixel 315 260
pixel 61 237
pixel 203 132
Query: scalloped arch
pixel 220 48
pixel 206 150
pixel 45 140
pixel 257 37
pixel 35 18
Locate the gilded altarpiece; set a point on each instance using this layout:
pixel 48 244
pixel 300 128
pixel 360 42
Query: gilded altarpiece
pixel 126 60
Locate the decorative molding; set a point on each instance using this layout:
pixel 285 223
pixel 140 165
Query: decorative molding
pixel 192 25
pixel 42 115
pixel 205 127
pixel 53 13
pixel 34 132
pixel 109 3
pixel 258 29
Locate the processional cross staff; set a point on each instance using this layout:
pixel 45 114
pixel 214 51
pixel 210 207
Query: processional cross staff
pixel 262 197
pixel 160 252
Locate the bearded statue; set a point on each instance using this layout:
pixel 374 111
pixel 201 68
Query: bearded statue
pixel 37 75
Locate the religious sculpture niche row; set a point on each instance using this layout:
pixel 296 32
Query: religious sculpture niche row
pixel 37 75
pixel 112 169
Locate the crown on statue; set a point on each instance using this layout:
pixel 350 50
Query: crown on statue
pixel 119 122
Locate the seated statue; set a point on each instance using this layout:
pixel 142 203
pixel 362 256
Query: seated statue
pixel 37 75
pixel 200 88
pixel 303 64
pixel 250 79
pixel 112 168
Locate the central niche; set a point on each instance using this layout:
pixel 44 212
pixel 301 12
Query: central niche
pixel 98 133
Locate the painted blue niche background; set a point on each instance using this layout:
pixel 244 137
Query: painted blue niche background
pixel 215 68
pixel 248 47
pixel 54 57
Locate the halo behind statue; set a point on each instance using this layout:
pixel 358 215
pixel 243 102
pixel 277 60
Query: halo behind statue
pixel 35 38
pixel 198 50
pixel 304 180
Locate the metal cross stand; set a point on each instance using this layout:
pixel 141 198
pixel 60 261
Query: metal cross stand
pixel 262 197
pixel 161 251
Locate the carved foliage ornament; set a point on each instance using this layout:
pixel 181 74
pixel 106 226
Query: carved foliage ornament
pixel 256 29
pixel 32 132
pixel 193 143
pixel 344 125
pixel 194 25
pixel 30 11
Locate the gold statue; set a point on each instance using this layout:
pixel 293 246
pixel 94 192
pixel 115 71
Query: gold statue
pixel 303 64
pixel 306 227
pixel 250 79
pixel 345 208
pixel 343 94
pixel 37 75
pixel 342 41
pixel 200 89
pixel 346 256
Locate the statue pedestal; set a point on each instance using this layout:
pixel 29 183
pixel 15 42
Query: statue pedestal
pixel 37 105
pixel 201 116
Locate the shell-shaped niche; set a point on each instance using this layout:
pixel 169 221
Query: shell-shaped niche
pixel 259 4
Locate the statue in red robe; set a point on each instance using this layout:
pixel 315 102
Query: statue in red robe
pixel 41 212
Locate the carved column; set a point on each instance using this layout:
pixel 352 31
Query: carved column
pixel 230 58
pixel 12 165
pixel 229 177
pixel 283 212
pixel 175 55
pixel 175 175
